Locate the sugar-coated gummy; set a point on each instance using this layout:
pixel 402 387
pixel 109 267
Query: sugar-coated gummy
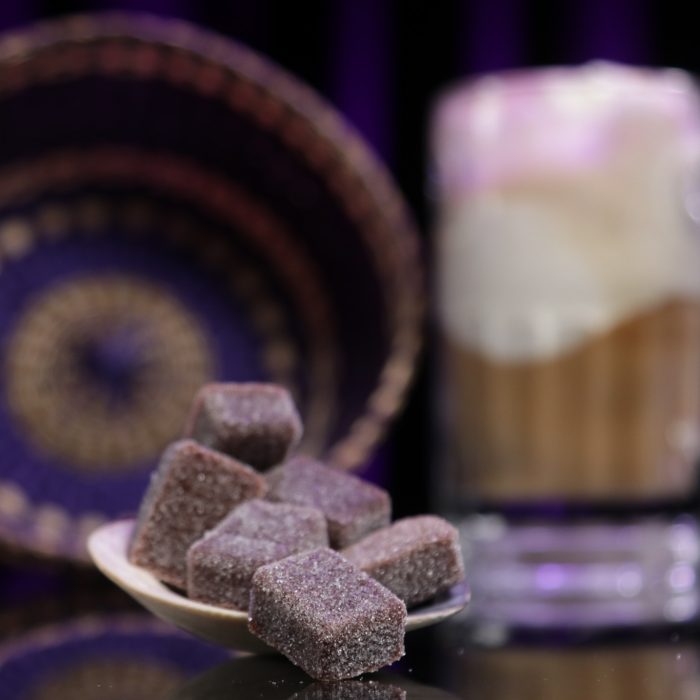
pixel 326 616
pixel 254 422
pixel 192 489
pixel 298 527
pixel 220 568
pixel 415 558
pixel 221 565
pixel 352 507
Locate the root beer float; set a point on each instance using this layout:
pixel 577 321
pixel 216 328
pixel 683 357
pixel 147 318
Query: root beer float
pixel 569 284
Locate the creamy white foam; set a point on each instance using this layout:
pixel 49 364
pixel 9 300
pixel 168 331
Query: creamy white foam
pixel 564 198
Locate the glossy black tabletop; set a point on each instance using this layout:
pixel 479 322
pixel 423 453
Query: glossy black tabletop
pixel 72 635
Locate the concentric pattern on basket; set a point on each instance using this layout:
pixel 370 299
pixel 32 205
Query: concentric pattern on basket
pixel 56 319
pixel 171 154
pixel 187 183
pixel 120 356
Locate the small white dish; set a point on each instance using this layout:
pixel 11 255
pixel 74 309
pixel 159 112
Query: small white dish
pixel 228 628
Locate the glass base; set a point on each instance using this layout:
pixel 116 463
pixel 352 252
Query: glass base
pixel 582 574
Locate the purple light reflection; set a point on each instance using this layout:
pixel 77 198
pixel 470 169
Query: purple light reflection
pixel 550 577
pixel 681 578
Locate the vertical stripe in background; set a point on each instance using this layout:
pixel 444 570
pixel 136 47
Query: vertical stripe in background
pixel 361 78
pixel 164 8
pixel 361 54
pixel 14 13
pixel 492 36
pixel 616 30
pixel 246 22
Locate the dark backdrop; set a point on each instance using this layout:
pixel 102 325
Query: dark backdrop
pixel 381 63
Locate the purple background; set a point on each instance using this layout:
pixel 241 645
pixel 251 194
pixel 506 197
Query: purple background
pixel 381 63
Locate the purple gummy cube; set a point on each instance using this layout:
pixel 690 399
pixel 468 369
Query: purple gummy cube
pixel 415 558
pixel 192 489
pixel 350 690
pixel 255 423
pixel 220 568
pixel 326 616
pixel 299 528
pixel 353 508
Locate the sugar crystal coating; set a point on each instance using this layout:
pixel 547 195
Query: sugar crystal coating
pixel 415 558
pixel 255 423
pixel 191 490
pixel 326 616
pixel 353 508
pixel 299 528
pixel 350 690
pixel 220 568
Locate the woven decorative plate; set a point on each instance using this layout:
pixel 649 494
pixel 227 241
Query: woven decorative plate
pixel 175 210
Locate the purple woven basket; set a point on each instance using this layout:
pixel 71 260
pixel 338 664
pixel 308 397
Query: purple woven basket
pixel 174 209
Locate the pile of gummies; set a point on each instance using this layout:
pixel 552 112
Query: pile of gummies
pixel 309 551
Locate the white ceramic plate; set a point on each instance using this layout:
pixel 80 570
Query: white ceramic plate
pixel 228 628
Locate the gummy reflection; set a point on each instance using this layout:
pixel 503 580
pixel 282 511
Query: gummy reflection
pixel 275 678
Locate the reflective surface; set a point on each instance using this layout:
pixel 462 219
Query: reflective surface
pixel 80 638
